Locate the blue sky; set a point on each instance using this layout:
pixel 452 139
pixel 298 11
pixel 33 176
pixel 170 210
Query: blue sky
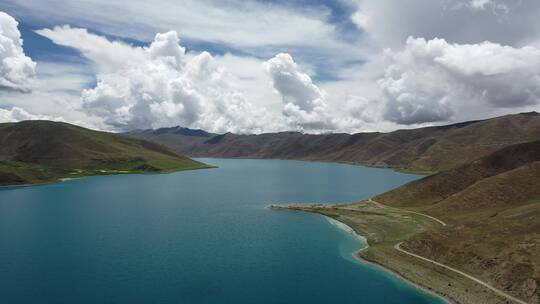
pixel 257 66
pixel 336 13
pixel 42 49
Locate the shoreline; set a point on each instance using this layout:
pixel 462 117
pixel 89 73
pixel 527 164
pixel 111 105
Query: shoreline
pixel 65 179
pixel 422 173
pixel 356 256
pixel 387 227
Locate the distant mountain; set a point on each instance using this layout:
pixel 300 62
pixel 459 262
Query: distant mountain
pixel 176 138
pixel 44 151
pixel 424 149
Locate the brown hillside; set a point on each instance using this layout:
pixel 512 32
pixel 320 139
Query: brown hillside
pixel 424 149
pixel 442 186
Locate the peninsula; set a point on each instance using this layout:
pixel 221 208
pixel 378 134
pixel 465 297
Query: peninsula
pixel 470 234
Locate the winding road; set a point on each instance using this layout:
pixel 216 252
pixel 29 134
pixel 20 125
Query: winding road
pixel 497 291
pixel 398 248
pixel 408 211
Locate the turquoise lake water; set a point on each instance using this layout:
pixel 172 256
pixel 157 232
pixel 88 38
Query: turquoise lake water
pixel 193 237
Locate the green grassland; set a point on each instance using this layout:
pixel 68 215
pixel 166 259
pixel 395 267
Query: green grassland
pixel 43 151
pixel 16 173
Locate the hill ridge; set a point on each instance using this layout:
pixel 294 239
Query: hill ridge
pixel 40 151
pixel 425 149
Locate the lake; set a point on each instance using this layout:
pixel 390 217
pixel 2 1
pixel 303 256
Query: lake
pixel 200 236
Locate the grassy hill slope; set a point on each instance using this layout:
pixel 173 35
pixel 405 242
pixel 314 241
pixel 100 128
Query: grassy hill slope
pixel 476 182
pixel 45 151
pixel 492 206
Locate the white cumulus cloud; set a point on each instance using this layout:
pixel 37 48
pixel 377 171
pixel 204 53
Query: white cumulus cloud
pixel 16 114
pixel 16 69
pixel 429 81
pixel 160 85
pixel 304 104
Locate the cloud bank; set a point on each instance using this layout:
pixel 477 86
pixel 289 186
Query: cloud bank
pixel 160 85
pixel 237 23
pixel 16 114
pixel 507 22
pixel 471 59
pixel 429 81
pixel 16 69
pixel 426 81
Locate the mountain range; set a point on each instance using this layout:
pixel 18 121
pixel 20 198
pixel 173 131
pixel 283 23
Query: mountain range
pixel 427 149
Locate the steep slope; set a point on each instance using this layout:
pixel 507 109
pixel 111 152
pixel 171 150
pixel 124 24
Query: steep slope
pixel 501 249
pixel 492 207
pixel 493 193
pixel 43 151
pixel 474 182
pixel 424 149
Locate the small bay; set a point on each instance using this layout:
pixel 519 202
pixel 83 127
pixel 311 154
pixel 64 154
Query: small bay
pixel 197 237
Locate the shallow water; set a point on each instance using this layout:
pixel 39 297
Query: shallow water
pixel 193 237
